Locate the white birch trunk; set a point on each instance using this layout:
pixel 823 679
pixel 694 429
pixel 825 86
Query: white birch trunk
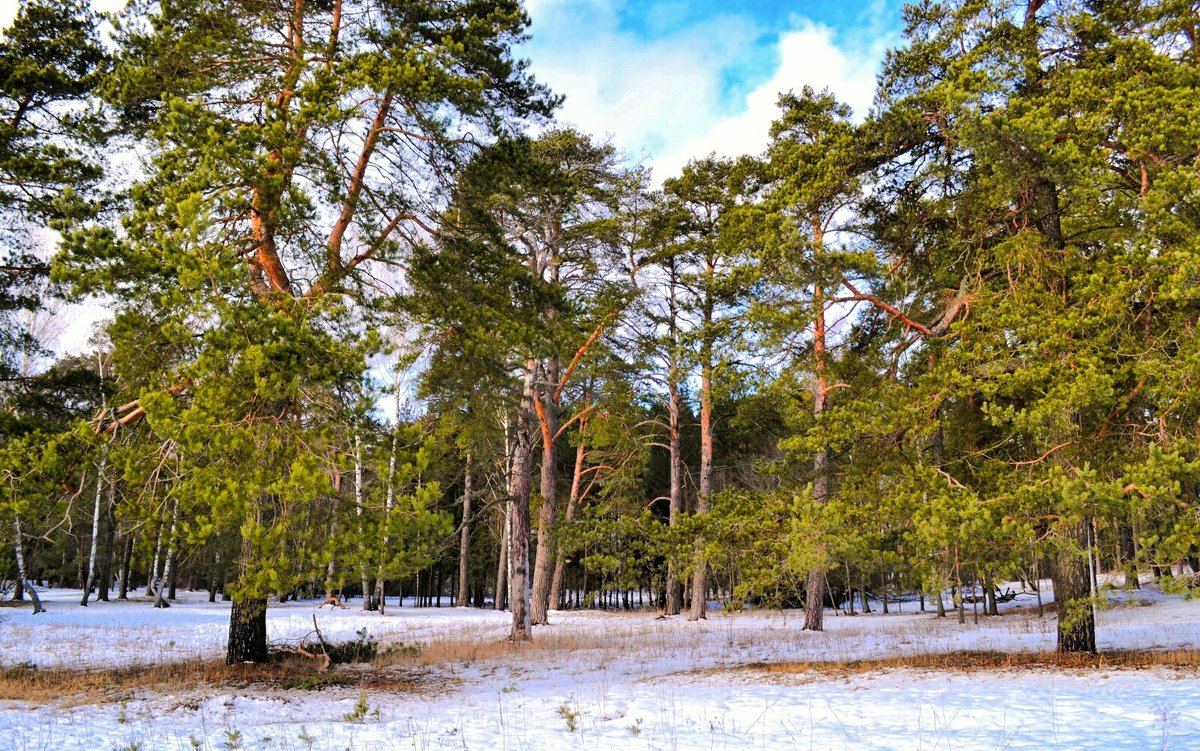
pixel 160 601
pixel 358 504
pixel 33 595
pixel 91 569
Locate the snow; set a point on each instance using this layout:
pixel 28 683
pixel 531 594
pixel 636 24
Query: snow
pixel 594 680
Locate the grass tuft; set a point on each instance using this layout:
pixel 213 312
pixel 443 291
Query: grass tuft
pixel 969 661
pixel 68 687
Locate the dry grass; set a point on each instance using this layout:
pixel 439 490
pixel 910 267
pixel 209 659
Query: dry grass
pixel 81 687
pixel 1188 659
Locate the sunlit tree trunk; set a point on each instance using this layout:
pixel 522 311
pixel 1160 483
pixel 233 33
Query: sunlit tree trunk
pixel 548 422
pixel 520 488
pixel 814 602
pixel 560 564
pixel 704 494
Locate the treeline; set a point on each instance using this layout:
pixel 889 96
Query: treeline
pixel 940 345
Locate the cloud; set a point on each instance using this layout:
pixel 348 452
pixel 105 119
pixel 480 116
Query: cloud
pixel 684 91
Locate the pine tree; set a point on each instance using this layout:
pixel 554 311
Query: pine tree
pixel 283 177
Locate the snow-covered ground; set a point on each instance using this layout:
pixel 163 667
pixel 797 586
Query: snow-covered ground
pixel 597 681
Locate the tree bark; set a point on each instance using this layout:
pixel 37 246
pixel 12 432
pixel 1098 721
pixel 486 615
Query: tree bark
pixel 675 509
pixel 814 603
pixel 107 534
pixel 91 569
pixel 22 573
pixel 502 567
pixel 548 421
pixel 157 558
pixel 704 496
pixel 389 501
pixel 360 510
pixel 247 631
pixel 126 559
pixel 556 582
pixel 168 567
pixel 520 486
pixel 1072 592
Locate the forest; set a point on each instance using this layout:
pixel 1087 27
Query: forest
pixel 381 327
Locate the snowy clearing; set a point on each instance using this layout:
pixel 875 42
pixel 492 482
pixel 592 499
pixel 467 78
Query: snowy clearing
pixel 602 680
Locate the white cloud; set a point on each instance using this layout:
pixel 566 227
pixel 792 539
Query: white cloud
pixel 808 56
pixel 647 94
pixel 663 97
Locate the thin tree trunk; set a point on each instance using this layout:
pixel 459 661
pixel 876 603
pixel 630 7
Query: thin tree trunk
pixel 814 603
pixel 388 502
pixel 91 568
pixel 704 495
pixel 107 534
pixel 159 600
pixel 1037 586
pixel 560 564
pixel 520 591
pixel 502 568
pixel 22 574
pixel 675 442
pixel 331 564
pixel 360 511
pixel 150 588
pixel 548 420
pixel 464 540
pixel 126 559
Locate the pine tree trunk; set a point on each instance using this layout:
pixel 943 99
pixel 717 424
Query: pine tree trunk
pixel 675 442
pixel 388 502
pixel 544 559
pixel 502 559
pixel 814 602
pixel 464 540
pixel 520 487
pixel 704 494
pixel 1072 592
pixel 560 564
pixel 247 631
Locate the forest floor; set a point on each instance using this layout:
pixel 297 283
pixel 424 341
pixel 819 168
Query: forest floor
pixel 122 675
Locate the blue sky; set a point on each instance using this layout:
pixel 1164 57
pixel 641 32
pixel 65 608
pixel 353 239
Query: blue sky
pixel 669 80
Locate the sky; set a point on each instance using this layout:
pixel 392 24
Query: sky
pixel 671 80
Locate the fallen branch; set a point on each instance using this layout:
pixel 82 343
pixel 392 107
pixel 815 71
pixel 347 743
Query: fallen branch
pixel 321 658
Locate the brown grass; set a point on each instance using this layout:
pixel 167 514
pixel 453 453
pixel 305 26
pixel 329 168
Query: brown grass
pixel 1188 659
pixel 466 649
pixel 80 687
